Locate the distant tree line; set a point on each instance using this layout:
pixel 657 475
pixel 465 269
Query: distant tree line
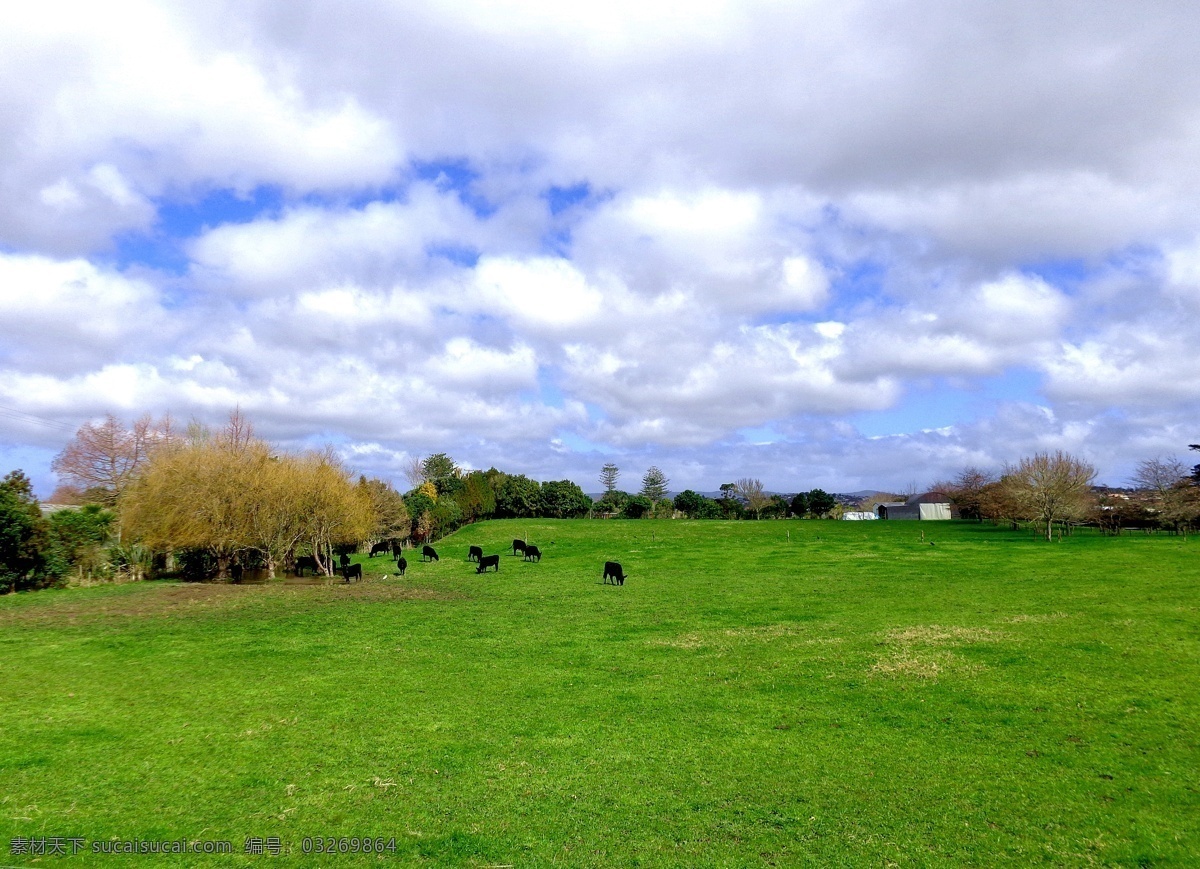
pixel 1055 490
pixel 149 496
pixel 445 497
pixel 744 499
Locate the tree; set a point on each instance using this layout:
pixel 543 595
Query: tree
pixel 332 512
pixel 82 536
pixel 821 503
pixel 608 477
pixel 1169 483
pixel 413 470
pixel 731 507
pixel 966 491
pixel 1050 488
pixel 997 504
pixel 799 505
pixel 1196 469
pixel 26 552
pixel 229 493
pixel 103 457
pixel 420 509
pixel 637 507
pixel 390 519
pixel 563 499
pixel 654 484
pixel 476 498
pixel 776 507
pixel 519 497
pixel 441 470
pixel 190 496
pixel 751 492
pixel 613 501
pixel 446 517
pixel 689 503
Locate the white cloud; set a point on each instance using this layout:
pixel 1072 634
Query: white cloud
pixel 309 247
pixel 534 293
pixel 60 316
pixel 102 106
pixel 793 213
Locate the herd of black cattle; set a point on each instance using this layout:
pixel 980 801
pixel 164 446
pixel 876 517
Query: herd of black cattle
pixel 613 573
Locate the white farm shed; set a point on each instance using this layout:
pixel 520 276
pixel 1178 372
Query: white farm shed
pixel 931 506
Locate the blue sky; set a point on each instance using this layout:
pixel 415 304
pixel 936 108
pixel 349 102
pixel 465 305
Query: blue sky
pixel 846 245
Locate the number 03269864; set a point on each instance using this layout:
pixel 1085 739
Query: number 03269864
pixel 348 845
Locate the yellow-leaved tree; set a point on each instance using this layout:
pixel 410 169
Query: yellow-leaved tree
pixel 231 492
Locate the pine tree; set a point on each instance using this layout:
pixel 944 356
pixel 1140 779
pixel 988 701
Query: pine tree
pixel 608 477
pixel 654 485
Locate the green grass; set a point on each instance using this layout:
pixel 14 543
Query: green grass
pixel 853 697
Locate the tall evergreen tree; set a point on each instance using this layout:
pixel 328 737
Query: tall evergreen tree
pixel 608 477
pixel 654 484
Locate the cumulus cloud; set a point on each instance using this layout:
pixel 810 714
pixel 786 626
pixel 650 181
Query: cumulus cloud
pixel 101 107
pixel 309 246
pixel 64 316
pixel 534 234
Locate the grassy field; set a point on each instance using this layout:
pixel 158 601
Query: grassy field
pixel 852 697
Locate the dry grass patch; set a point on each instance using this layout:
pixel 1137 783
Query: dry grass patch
pixel 725 639
pixel 162 600
pixel 925 651
pixel 1035 619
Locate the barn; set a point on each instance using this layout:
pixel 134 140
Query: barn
pixel 930 506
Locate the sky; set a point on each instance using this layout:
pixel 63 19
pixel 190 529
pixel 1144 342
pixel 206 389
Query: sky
pixel 843 245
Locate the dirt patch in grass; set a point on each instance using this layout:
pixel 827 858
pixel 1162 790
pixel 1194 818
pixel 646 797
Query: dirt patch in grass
pixel 725 639
pixel 926 651
pixel 1035 619
pixel 937 635
pixel 155 600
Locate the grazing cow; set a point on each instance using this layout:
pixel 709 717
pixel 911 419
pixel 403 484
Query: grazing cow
pixel 354 571
pixel 306 562
pixel 475 553
pixel 532 553
pixel 401 565
pixel 236 571
pixel 612 570
pixel 383 546
pixel 488 561
pixel 428 554
pixel 518 545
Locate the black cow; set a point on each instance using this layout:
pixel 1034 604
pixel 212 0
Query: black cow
pixel 429 554
pixel 518 545
pixel 532 553
pixel 354 571
pixel 306 562
pixel 344 560
pixel 383 546
pixel 401 565
pixel 475 553
pixel 236 571
pixel 612 570
pixel 488 561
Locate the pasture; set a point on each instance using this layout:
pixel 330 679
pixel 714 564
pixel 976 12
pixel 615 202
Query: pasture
pixel 853 697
